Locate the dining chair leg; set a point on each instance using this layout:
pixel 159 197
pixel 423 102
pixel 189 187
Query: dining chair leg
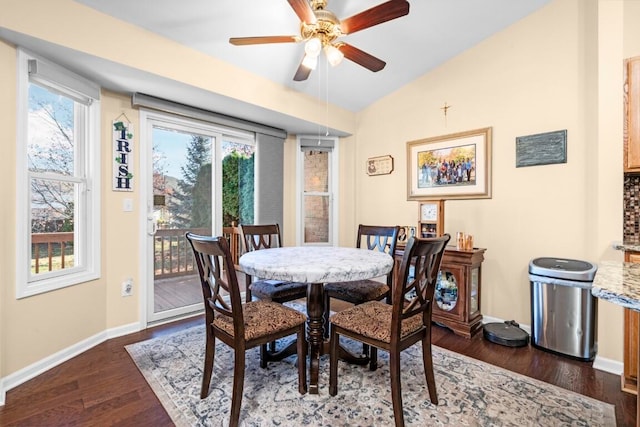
pixel 373 358
pixel 333 362
pixel 427 361
pixel 263 356
pixel 302 361
pixel 210 351
pixel 238 386
pixel 396 394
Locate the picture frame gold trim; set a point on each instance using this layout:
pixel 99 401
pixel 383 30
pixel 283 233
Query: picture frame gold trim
pixel 430 175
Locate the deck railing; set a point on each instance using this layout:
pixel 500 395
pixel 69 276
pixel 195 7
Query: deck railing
pixel 55 247
pixel 172 254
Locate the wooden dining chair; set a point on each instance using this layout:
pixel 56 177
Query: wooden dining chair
pixel 372 237
pixel 257 237
pixel 240 326
pixel 399 325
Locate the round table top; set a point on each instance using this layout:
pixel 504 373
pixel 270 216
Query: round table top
pixel 316 264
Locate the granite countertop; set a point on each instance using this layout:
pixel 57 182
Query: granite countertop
pixel 627 246
pixel 618 283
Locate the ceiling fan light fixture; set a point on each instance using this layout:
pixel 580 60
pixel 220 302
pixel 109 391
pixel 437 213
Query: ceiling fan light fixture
pixel 313 46
pixel 310 61
pixel 334 56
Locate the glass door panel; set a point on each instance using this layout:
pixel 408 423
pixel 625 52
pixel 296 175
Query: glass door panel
pixel 182 202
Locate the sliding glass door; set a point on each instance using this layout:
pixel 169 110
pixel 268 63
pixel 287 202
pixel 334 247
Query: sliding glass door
pixel 202 182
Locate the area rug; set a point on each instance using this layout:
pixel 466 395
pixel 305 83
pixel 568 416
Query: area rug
pixel 470 392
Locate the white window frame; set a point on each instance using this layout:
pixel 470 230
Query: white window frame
pixel 87 149
pixel 333 191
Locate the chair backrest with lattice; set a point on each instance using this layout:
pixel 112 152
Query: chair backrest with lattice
pixel 414 295
pixel 218 279
pixel 257 237
pixel 380 238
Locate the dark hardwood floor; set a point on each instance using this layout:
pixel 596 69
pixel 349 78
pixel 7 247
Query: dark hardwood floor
pixel 103 386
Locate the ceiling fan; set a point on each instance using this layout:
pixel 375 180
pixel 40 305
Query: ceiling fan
pixel 320 29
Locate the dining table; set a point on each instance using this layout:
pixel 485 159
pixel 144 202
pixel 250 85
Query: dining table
pixel 316 265
pixel 619 283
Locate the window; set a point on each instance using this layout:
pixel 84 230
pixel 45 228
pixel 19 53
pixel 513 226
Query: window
pixel 58 178
pixel 317 190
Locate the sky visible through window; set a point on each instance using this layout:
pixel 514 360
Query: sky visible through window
pixel 171 148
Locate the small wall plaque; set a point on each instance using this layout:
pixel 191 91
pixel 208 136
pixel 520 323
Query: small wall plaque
pixel 541 149
pixel 379 165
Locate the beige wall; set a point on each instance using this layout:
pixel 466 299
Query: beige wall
pixel 119 229
pixel 557 69
pixel 537 76
pixel 631 28
pixel 8 194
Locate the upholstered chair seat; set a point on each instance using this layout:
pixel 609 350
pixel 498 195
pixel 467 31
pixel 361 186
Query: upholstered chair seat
pixel 358 291
pixel 261 319
pixel 278 291
pixel 373 320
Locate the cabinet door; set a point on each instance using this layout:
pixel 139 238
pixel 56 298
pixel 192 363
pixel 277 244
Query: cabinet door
pixel 632 115
pixel 630 375
pixel 450 294
pixel 631 319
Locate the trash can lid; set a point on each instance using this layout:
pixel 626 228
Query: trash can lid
pixel 562 268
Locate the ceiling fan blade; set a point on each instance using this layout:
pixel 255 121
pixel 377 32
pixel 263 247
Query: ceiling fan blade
pixel 361 57
pixel 302 8
pixel 376 15
pixel 241 41
pixel 302 73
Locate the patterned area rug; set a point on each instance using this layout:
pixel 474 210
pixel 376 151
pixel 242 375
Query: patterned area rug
pixel 471 393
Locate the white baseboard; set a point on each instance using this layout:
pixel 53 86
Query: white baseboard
pixel 43 365
pixel 608 365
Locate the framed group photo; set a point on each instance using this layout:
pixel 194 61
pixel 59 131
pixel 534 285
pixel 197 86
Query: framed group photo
pixel 455 166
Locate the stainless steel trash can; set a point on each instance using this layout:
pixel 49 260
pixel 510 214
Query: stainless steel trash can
pixel 563 310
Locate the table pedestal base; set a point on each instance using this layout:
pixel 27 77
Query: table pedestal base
pixel 315 336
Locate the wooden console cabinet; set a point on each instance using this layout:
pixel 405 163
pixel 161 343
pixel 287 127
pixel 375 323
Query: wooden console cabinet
pixel 458 292
pixel 462 269
pixel 631 319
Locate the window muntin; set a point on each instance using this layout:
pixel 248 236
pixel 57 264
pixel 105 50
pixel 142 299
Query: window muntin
pixel 58 167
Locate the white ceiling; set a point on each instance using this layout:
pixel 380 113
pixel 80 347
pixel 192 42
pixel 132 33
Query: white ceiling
pixel 433 32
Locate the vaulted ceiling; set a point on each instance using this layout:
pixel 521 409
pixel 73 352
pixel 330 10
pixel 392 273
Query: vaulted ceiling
pixel 433 32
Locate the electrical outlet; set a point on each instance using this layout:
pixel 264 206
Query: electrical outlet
pixel 127 288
